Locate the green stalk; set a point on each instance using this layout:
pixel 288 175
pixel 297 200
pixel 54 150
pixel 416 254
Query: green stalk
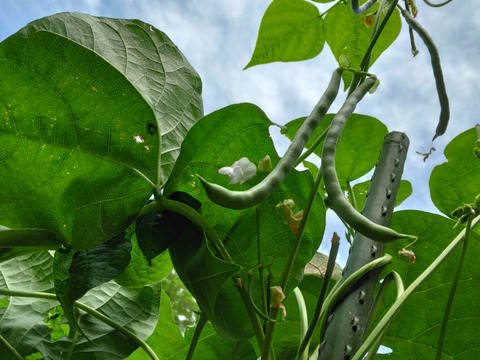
pixel 11 348
pixel 446 314
pixel 302 309
pixel 194 216
pixel 383 323
pixel 202 321
pixel 312 148
pixel 365 64
pixel 289 265
pixel 89 310
pixel 320 301
pixel 392 275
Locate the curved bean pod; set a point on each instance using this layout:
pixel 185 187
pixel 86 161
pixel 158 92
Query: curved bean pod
pixel 337 200
pixel 436 5
pixel 243 199
pixel 358 10
pixel 437 73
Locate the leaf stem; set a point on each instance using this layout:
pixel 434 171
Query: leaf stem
pixel 89 310
pixel 291 259
pixel 384 322
pixel 202 321
pixel 302 309
pixel 312 148
pixel 446 314
pixel 11 348
pixel 365 64
pixel 161 203
pixel 332 256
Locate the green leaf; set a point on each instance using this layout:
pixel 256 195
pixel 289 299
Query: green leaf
pixel 53 321
pixel 456 182
pixel 346 34
pixel 34 356
pixel 212 346
pixel 414 332
pixel 16 242
pixel 202 273
pixel 360 190
pixel 86 103
pixel 354 156
pixel 166 340
pixel 291 30
pixel 141 272
pixel 218 140
pixel 22 323
pixel 76 273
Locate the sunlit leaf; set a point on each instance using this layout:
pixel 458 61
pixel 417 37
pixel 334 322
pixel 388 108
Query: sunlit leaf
pixel 415 331
pixel 85 104
pixel 291 30
pixel 457 181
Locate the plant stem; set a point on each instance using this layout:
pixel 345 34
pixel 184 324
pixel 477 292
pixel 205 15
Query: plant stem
pixel 446 314
pixel 392 275
pixel 89 310
pixel 11 348
pixel 323 292
pixel 365 64
pixel 383 323
pixel 195 217
pixel 312 148
pixel 289 265
pixel 202 321
pixel 302 309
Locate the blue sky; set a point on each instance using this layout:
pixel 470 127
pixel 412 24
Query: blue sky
pixel 218 38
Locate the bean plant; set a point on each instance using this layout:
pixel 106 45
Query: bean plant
pixel 112 176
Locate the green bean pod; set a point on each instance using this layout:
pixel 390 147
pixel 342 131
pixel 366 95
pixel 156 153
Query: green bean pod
pixel 243 199
pixel 337 200
pixel 358 10
pixel 437 73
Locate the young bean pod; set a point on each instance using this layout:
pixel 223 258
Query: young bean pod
pixel 358 10
pixel 337 200
pixel 258 193
pixel 437 73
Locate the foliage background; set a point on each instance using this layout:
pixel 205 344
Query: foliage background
pixel 218 38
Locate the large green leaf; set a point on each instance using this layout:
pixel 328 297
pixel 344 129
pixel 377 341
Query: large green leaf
pixel 347 34
pixel 218 140
pixel 414 333
pixel 22 325
pixel 291 30
pixel 93 112
pixel 76 273
pixel 354 156
pixel 166 340
pixel 457 181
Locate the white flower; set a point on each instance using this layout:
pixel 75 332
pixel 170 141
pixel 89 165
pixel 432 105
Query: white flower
pixel 240 171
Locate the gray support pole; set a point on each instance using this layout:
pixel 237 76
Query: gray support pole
pixel 347 324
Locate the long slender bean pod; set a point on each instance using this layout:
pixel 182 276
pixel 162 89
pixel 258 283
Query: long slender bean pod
pixel 357 9
pixel 255 195
pixel 337 200
pixel 437 73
